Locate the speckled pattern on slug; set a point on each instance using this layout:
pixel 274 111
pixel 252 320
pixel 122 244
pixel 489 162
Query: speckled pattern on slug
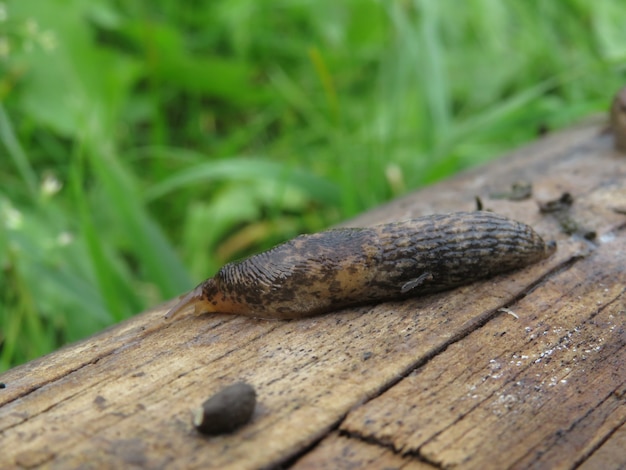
pixel 317 273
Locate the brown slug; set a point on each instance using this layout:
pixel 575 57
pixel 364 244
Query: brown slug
pixel 322 272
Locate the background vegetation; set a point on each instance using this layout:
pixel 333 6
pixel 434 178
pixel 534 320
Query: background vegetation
pixel 145 143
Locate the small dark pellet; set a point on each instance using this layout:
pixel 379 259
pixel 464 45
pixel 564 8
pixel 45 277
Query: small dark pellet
pixel 227 410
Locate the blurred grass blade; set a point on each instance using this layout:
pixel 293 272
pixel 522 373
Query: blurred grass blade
pixel 432 68
pixel 158 259
pixel 17 154
pixel 99 262
pixel 497 113
pixel 326 80
pixel 22 320
pixel 241 169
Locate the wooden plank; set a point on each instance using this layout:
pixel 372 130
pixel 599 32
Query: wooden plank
pixel 611 454
pixel 123 397
pixel 546 384
pixel 337 452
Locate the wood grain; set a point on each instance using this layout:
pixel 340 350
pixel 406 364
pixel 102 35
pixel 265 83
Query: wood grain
pixel 343 452
pixel 526 379
pixel 445 380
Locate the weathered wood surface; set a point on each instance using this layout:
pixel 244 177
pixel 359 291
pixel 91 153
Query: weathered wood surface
pixel 526 370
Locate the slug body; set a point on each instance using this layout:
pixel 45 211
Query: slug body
pixel 318 273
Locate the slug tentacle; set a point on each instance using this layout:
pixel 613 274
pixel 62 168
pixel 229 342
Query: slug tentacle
pixel 191 298
pixel 326 271
pixel 204 298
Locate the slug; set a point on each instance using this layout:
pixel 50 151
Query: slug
pixel 322 272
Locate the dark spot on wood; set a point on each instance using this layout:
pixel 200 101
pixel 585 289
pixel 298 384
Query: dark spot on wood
pixel 564 202
pixel 100 402
pixel 131 451
pixel 227 410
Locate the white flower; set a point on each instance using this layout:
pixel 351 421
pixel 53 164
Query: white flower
pixel 50 185
pixel 65 238
pixel 48 40
pixel 395 178
pixel 32 27
pixel 12 218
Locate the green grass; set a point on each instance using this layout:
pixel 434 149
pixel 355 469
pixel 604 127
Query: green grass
pixel 144 144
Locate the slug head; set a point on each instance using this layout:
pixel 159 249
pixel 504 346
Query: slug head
pixel 205 298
